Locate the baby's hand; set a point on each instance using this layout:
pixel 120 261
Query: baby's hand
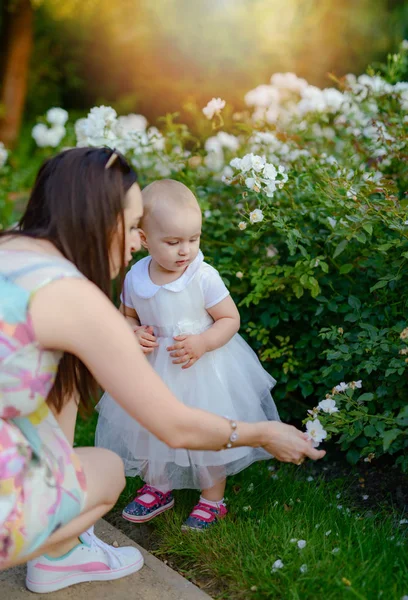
pixel 187 349
pixel 146 338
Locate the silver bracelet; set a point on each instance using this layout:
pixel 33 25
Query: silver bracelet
pixel 234 435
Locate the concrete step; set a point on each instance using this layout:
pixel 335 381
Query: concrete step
pixel 155 581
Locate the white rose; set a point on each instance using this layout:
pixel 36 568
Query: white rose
pixel 214 107
pixel 251 182
pixel 246 163
pixel 213 144
pixel 315 432
pixel 257 162
pixel 39 133
pixel 256 216
pixel 270 189
pixel 328 406
pixel 236 163
pixel 242 225
pixel 342 387
pixel 269 171
pixel 129 123
pixel 226 140
pixel 81 133
pixel 55 135
pixel 104 113
pixel 57 116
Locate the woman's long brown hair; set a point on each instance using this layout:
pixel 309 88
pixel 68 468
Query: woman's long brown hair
pixel 76 204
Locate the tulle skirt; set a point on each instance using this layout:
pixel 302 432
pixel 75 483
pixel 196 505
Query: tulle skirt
pixel 229 381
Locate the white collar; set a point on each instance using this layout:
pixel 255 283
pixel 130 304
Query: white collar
pixel 144 287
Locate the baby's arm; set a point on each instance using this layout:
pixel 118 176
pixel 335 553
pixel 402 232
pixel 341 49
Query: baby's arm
pixel 226 324
pixel 130 316
pixel 144 333
pixel 189 348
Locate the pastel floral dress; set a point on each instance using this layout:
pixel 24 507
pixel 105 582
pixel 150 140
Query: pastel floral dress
pixel 42 484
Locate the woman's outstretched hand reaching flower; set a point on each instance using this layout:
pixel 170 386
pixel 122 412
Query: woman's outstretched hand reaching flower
pixel 288 444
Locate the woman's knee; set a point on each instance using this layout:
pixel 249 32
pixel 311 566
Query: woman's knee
pixel 114 475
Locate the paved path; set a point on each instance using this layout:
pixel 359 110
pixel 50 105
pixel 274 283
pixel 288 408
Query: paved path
pixel 155 581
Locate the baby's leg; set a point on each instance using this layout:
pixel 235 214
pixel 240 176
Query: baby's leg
pixel 211 506
pixel 214 493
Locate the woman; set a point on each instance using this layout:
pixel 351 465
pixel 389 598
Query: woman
pixel 59 335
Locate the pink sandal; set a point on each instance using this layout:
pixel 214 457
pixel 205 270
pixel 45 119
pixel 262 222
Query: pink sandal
pixel 204 516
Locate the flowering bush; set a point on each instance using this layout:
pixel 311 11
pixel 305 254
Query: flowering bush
pixel 362 434
pixel 305 205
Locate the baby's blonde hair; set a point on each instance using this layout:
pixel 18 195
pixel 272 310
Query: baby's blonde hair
pixel 165 192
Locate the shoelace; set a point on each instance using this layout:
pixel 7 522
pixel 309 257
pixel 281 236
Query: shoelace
pixel 111 553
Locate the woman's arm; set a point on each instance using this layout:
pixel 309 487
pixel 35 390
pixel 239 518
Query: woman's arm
pixel 74 316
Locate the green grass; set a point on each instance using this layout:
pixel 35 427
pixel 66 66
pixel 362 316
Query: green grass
pixel 267 509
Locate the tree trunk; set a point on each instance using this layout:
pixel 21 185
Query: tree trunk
pixel 17 52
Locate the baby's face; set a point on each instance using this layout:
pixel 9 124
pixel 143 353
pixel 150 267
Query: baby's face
pixel 173 236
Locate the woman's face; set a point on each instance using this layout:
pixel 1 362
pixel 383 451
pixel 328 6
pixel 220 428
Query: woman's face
pixel 132 215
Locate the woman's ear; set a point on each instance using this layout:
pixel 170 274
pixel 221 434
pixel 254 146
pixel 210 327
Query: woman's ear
pixel 143 239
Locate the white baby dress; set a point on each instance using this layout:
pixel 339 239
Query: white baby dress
pixel 229 381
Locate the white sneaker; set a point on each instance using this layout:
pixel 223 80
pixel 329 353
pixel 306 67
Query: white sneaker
pixel 91 560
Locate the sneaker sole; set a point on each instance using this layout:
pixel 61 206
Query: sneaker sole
pixel 67 580
pixel 145 518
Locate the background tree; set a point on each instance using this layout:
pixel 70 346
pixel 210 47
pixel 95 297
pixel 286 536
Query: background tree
pixel 16 45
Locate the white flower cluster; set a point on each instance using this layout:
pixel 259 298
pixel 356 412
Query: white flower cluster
pixel 3 155
pixel 342 387
pixel 288 102
pixel 260 175
pixel 274 101
pixel 215 147
pixel 214 107
pixel 45 136
pixel 275 150
pixel 129 134
pixel 288 96
pixel 314 428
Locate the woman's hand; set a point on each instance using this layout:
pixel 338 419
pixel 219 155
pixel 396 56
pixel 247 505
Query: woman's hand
pixel 288 444
pixel 146 338
pixel 187 349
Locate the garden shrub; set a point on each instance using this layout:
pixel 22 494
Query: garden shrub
pixel 305 216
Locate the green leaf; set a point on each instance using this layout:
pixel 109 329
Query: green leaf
pixel 385 247
pixel 352 317
pixel 368 228
pixel 365 397
pixel 370 431
pixel 389 436
pixel 402 418
pixel 361 237
pixel 353 456
pixel 340 248
pixel 346 268
pixel 378 285
pixel 354 302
